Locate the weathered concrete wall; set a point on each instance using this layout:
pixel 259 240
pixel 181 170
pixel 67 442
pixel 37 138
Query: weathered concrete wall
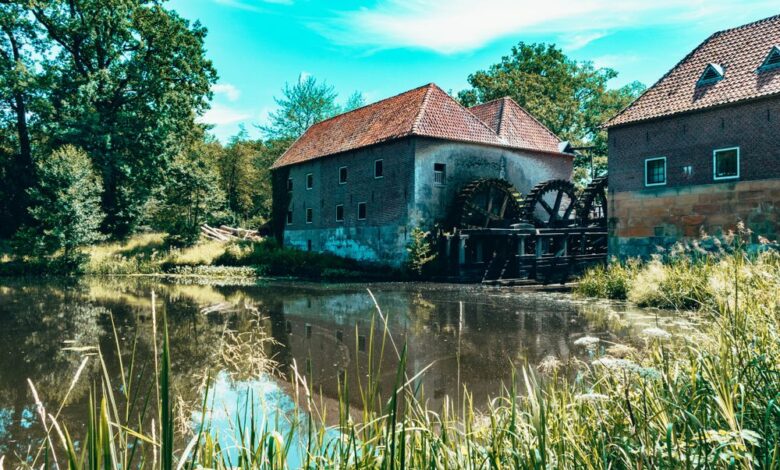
pixel 404 198
pixel 648 219
pixel 468 162
pixel 382 235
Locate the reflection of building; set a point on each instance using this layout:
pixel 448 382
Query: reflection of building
pixel 701 148
pixel 476 346
pixel 356 184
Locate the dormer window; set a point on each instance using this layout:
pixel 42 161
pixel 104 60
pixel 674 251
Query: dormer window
pixel 772 60
pixel 712 74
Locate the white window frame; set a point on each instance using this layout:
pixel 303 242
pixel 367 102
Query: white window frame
pixel 443 174
pixel 715 176
pixel 666 172
pixel 382 160
pixel 358 211
pixel 342 213
pixel 347 175
pixel 309 175
pixel 309 210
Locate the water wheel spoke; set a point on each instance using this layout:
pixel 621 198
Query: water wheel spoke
pixel 568 211
pixel 558 200
pixel 503 206
pixel 545 206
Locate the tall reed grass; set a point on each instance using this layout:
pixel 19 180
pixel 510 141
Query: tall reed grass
pixel 707 400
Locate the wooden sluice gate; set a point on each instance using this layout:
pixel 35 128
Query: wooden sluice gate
pixel 521 255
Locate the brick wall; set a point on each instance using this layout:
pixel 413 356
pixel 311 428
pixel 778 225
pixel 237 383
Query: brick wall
pixel 645 218
pixel 689 140
pixel 381 236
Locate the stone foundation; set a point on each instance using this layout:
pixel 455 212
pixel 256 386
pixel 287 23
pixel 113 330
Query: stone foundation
pixel 642 221
pixel 383 244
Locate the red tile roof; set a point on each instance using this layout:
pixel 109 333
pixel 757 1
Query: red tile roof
pixel 426 111
pixel 740 51
pixel 516 125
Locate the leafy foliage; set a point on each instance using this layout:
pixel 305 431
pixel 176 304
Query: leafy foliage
pixel 123 80
pixel 420 251
pixel 571 98
pixel 65 208
pixel 302 104
pixel 188 199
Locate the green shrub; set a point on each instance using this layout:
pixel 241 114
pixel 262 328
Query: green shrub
pixel 65 210
pixel 421 251
pixel 609 282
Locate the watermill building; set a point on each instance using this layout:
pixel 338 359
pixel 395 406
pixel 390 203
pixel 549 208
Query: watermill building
pixel 699 151
pixel 358 183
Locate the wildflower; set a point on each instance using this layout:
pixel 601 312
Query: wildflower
pixel 613 364
pixel 591 397
pixel 620 350
pixel 657 333
pixel 549 365
pixel 588 341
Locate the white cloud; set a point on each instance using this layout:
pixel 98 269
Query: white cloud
pixel 251 5
pixel 229 91
pixel 578 41
pixel 221 115
pixel 463 25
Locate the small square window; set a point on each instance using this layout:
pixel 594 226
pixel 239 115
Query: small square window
pixel 725 163
pixel 361 211
pixel 289 217
pixel 343 175
pixel 309 215
pixel 289 184
pixel 309 180
pixel 655 171
pixel 340 213
pixel 439 173
pixel 379 170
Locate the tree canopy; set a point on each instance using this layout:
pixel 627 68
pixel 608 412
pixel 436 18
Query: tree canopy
pixel 571 98
pixel 303 104
pixel 121 79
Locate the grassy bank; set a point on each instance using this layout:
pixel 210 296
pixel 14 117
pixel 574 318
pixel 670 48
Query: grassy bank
pixel 678 282
pixel 704 400
pixel 148 254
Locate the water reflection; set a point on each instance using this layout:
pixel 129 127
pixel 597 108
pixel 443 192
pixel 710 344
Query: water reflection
pixel 473 336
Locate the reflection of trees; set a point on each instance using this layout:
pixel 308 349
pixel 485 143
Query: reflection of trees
pixel 44 334
pixel 314 325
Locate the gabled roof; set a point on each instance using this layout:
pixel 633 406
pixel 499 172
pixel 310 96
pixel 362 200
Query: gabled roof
pixel 516 125
pixel 427 111
pixel 739 52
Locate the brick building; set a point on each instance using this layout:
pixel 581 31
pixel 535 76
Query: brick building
pixel 358 183
pixel 700 149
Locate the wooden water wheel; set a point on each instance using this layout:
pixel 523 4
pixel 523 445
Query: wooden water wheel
pixel 551 204
pixel 487 203
pixel 593 205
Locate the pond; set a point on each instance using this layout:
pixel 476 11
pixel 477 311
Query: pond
pixel 463 336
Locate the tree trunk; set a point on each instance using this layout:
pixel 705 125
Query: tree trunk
pixel 21 172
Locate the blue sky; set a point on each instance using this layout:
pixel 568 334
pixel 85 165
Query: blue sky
pixel 384 47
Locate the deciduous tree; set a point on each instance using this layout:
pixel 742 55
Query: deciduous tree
pixel 65 207
pixel 571 98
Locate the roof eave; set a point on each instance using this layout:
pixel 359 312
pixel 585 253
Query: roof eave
pixel 659 117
